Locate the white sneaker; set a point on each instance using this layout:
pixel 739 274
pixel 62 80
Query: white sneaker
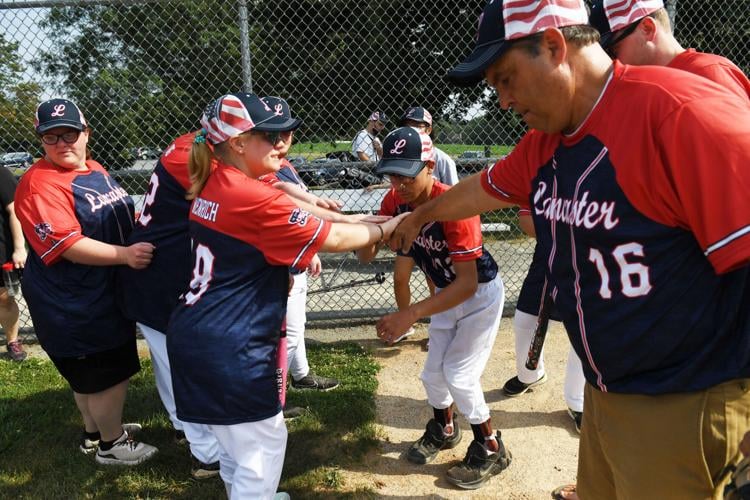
pixel 89 446
pixel 126 451
pixel 409 332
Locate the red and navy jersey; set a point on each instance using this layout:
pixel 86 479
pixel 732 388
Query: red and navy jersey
pixel 223 335
pixel 72 306
pixel 642 213
pixel 439 244
pixel 288 173
pixel 716 68
pixel 149 295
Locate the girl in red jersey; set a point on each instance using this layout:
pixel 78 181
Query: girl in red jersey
pixel 76 219
pixel 223 337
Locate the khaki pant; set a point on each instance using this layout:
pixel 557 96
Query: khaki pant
pixel 672 446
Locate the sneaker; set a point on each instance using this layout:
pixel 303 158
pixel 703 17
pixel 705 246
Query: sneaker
pixel 409 332
pixel 125 451
pixel 515 387
pixel 89 446
pixel 478 466
pixel 200 470
pixel 292 412
pixel 315 382
pixel 426 448
pixel 577 417
pixel 180 438
pixel 15 350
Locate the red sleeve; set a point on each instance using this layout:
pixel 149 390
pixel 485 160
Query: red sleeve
pixel 510 178
pixel 707 157
pixel 732 79
pixel 389 204
pixel 464 238
pixel 45 209
pixel 175 159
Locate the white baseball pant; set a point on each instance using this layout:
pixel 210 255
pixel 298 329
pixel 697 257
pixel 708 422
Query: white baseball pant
pixel 252 457
pixel 461 341
pixel 524 325
pixel 203 444
pixel 295 328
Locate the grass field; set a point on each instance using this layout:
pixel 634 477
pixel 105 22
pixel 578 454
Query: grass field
pixel 40 428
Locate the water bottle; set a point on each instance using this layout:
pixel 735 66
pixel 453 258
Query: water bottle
pixel 11 280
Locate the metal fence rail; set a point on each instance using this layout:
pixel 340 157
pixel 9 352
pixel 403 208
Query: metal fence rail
pixel 142 71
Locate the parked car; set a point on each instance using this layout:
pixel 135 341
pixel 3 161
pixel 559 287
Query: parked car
pixel 471 155
pixel 17 160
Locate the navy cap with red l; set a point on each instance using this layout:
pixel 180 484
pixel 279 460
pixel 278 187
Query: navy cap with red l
pixel 58 113
pixel 405 151
pixel 281 108
pixel 416 114
pixel 504 21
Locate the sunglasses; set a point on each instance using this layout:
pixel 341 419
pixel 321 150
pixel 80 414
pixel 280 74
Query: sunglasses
pixel 273 138
pixel 619 37
pixel 67 137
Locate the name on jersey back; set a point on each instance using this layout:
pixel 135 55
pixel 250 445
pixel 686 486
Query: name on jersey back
pixel 205 209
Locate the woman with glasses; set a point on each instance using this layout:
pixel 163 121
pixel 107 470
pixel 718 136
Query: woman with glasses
pixel 223 336
pixel 76 219
pixel 464 312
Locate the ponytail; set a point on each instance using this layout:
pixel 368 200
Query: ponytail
pixel 199 165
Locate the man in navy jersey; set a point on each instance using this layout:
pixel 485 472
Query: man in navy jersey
pixel 623 172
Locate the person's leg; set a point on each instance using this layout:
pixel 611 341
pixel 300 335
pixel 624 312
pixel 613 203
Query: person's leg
pixel 595 478
pixel 157 346
pixel 255 451
pixel 82 402
pixel 295 328
pixel 524 326
pixel 574 384
pixel 9 322
pixel 105 408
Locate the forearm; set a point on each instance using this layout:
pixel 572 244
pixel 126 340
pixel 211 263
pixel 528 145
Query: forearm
pixel 296 192
pixel 402 292
pixel 465 199
pixel 16 231
pixel 366 254
pixel 451 296
pixel 346 237
pixel 95 253
pixel 323 213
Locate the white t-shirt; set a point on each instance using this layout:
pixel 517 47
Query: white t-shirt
pixel 445 168
pixel 365 142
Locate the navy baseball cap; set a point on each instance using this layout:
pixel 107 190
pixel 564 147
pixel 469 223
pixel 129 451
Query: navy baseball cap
pixel 58 113
pixel 378 116
pixel 405 151
pixel 611 16
pixel 281 108
pixel 505 21
pixel 417 114
pixel 232 114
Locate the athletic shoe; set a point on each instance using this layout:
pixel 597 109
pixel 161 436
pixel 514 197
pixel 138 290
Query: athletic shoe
pixel 125 451
pixel 577 417
pixel 15 350
pixel 315 382
pixel 515 387
pixel 180 438
pixel 478 466
pixel 292 412
pixel 409 332
pixel 426 448
pixel 89 446
pixel 200 470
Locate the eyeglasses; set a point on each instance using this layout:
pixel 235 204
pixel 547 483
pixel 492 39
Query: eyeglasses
pixel 67 137
pixel 273 138
pixel 619 37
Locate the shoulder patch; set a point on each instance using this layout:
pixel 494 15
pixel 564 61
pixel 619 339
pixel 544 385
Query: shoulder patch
pixel 299 216
pixel 43 229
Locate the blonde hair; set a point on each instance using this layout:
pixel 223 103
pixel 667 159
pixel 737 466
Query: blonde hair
pixel 199 168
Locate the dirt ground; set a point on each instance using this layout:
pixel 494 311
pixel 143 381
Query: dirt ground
pixel 535 426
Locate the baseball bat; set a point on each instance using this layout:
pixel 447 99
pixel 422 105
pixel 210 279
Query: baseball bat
pixel 281 365
pixel 537 342
pixel 379 278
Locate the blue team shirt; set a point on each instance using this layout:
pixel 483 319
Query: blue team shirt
pixel 643 223
pixel 72 306
pixel 149 295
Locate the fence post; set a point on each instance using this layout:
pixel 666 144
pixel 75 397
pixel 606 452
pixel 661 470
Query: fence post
pixel 247 78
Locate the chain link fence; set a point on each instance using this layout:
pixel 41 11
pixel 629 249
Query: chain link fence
pixel 143 70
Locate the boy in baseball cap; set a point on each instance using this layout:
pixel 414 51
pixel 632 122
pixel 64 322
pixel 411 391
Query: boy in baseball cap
pixel 464 314
pixel 58 113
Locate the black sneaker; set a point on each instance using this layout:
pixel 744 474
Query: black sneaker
pixel 315 382
pixel 199 470
pixel 577 417
pixel 515 387
pixel 478 466
pixel 426 448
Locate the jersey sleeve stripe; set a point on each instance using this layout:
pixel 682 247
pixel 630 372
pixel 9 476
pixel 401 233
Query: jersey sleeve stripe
pixel 490 182
pixel 51 250
pixel 727 240
pixel 302 252
pixel 470 250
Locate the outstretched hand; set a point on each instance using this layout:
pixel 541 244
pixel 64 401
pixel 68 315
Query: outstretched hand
pixel 394 325
pixel 405 234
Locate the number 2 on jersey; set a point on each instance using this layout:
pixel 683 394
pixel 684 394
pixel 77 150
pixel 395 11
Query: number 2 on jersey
pixel 634 276
pixel 203 272
pixel 153 185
